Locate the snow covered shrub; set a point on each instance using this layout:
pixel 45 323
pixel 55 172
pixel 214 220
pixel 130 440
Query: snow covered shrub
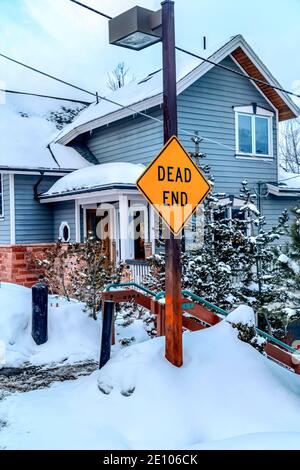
pixel 93 272
pixel 79 270
pixel 243 320
pixel 237 261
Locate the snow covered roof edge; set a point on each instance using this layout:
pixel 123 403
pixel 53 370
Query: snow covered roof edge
pixel 97 115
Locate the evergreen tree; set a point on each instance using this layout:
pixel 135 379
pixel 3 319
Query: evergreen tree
pixel 237 261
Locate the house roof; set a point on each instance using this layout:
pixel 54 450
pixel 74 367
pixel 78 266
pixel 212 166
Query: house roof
pixel 95 178
pixel 147 93
pixel 28 124
pixel 288 184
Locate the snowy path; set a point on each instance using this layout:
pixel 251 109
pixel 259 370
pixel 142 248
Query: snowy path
pixel 38 377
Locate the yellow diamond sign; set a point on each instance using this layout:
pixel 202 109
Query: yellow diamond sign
pixel 173 185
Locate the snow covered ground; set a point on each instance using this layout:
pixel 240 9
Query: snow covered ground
pixel 226 395
pixel 73 335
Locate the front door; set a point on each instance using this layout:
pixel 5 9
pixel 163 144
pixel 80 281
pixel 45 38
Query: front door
pixel 98 225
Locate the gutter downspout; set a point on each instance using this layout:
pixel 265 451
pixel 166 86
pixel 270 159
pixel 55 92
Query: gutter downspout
pixel 35 187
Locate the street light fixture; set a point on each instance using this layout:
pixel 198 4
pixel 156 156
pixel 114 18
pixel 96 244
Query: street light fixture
pixel 136 28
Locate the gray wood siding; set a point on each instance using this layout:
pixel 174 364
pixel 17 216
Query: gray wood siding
pixel 134 139
pixel 272 208
pixel 207 107
pixel 64 212
pixel 5 221
pixel 34 221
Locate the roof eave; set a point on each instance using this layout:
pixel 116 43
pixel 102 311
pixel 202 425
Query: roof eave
pixel 87 191
pixel 185 82
pixel 284 192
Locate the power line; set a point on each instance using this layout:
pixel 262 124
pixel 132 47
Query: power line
pixel 241 74
pixel 91 9
pixel 72 100
pixel 33 69
pixel 290 178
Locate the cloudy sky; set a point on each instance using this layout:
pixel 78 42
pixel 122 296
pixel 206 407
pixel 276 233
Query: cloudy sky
pixel 71 42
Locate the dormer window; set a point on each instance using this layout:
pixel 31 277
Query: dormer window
pixel 253 131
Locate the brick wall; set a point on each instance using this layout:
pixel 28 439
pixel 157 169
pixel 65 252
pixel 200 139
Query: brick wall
pixel 17 263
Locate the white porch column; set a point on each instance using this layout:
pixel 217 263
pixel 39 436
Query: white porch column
pixel 124 228
pixel 152 227
pixel 77 221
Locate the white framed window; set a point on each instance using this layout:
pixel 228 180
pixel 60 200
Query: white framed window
pixel 64 232
pixel 1 197
pixel 253 131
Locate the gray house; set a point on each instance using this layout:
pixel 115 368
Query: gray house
pixel 237 119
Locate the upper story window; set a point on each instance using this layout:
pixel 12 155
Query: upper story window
pixel 253 131
pixel 1 197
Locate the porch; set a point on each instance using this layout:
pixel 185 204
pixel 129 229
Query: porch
pixel 108 206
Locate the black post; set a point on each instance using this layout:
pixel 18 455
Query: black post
pixel 39 330
pixel 173 316
pixel 107 323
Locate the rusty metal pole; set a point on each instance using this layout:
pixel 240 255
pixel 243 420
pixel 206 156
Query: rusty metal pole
pixel 173 314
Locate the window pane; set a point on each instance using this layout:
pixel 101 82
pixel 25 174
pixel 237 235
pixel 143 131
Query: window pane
pixel 262 135
pixel 245 133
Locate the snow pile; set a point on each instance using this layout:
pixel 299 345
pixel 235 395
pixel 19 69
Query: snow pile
pixel 226 395
pixel 73 336
pixel 242 315
pixel 97 176
pixel 288 180
pixel 26 129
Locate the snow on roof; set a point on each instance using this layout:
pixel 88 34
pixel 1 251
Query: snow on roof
pixel 136 92
pixel 97 176
pixel 288 181
pixel 27 127
pixel 147 93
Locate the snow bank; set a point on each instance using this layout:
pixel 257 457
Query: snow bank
pixel 226 395
pixel 73 336
pixel 96 176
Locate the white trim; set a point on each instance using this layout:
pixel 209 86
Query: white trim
pixel 283 192
pixel 61 231
pixel 37 172
pixel 84 223
pixel 77 222
pixel 152 227
pixel 254 83
pixel 90 197
pixel 240 111
pixel 12 209
pixel 269 77
pixel 255 158
pixel 277 144
pixel 249 110
pixel 124 236
pixel 2 197
pixel 65 137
